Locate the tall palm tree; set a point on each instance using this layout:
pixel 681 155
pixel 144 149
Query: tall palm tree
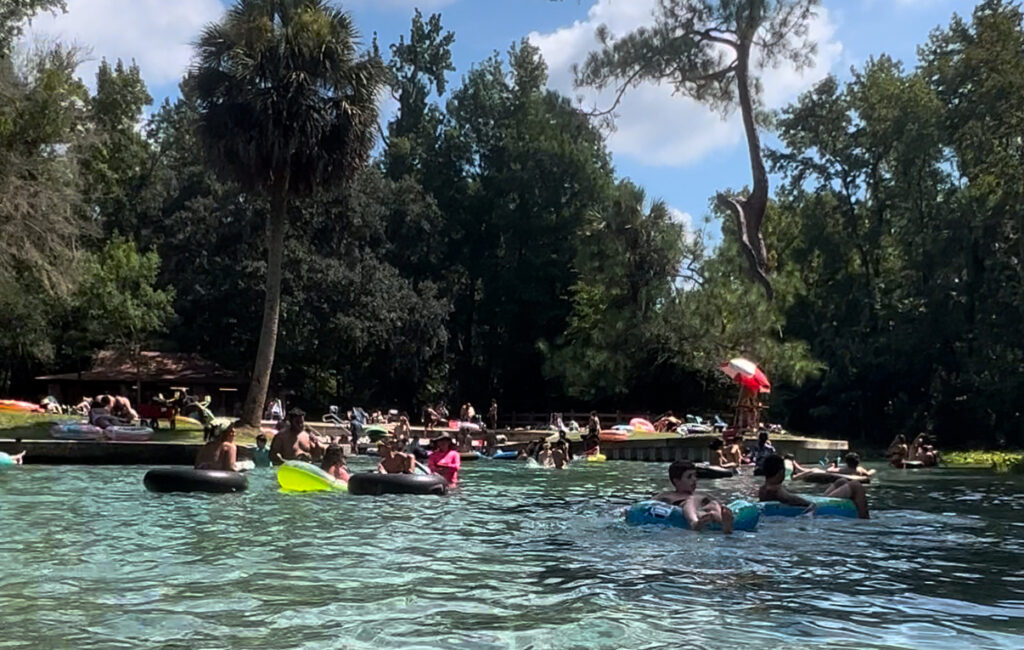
pixel 287 106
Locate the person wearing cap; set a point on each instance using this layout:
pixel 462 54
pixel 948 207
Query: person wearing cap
pixel 293 442
pixel 445 460
pixel 392 462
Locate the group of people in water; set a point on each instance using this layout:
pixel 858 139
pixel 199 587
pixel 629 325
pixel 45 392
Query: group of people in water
pixel 699 509
pixel 293 441
pixel 921 450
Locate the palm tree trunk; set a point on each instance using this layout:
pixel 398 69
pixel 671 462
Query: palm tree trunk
pixel 257 396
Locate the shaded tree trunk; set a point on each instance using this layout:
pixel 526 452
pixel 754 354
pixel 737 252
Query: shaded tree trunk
pixel 749 212
pixel 260 382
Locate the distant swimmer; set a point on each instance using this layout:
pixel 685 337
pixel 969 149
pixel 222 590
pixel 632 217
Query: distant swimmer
pixel 698 508
pixel 852 467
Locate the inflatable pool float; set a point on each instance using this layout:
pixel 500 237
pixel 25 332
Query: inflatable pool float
pixel 745 515
pixel 640 424
pixel 596 458
pixel 6 460
pixel 16 405
pixel 505 455
pixel 130 434
pixel 187 479
pixel 821 476
pixel 76 431
pixel 375 432
pixel 470 455
pixel 375 484
pixel 706 470
pixel 297 476
pixel 824 507
pixel 613 435
pixel 912 464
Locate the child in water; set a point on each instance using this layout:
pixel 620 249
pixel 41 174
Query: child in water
pixel 334 463
pixel 842 488
pixel 261 454
pixel 698 508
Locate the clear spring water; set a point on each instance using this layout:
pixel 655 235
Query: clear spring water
pixel 516 558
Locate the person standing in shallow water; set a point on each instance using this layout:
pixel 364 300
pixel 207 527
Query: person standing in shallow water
pixel 293 443
pixel 445 460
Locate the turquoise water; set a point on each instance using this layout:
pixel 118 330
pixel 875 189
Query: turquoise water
pixel 516 558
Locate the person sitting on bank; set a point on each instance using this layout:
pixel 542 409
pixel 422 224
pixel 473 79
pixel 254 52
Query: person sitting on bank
pixel 293 442
pixel 221 452
pixel 842 488
pixel 334 463
pixel 852 467
pixel 261 454
pixel 445 460
pixel 392 462
pixel 718 455
pixel 667 422
pixel 698 508
pixel 121 408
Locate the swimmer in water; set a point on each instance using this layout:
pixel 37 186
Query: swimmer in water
pixel 17 459
pixel 544 458
pixel 445 460
pixel 718 455
pixel 852 467
pixel 392 462
pixel 293 442
pixel 773 490
pixel 334 463
pixel 261 454
pixel 220 452
pixel 560 455
pixel 698 508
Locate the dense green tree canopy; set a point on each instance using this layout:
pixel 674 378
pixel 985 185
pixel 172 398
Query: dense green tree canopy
pixel 490 249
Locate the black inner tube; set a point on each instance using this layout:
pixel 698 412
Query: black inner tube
pixel 374 484
pixel 187 479
pixel 713 471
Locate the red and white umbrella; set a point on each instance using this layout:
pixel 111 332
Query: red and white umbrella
pixel 747 373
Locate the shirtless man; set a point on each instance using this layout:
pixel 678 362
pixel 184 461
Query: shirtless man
pixel 772 490
pixel 734 452
pixel 852 467
pixel 718 457
pixel 122 408
pixel 293 443
pixel 221 452
pixel 698 508
pixel 560 454
pixel 394 463
pixel 544 456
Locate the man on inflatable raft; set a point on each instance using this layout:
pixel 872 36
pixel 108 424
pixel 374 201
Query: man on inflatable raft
pixel 698 508
pixel 842 488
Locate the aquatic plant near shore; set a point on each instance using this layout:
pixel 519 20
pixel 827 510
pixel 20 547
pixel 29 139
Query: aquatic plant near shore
pixel 1001 461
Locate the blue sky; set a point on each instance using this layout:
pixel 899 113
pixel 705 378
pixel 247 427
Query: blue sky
pixel 677 150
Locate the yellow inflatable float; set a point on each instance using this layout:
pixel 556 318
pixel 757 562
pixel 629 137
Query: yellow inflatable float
pixel 297 476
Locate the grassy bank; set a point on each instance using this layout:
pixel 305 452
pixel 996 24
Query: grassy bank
pixel 36 426
pixel 1001 461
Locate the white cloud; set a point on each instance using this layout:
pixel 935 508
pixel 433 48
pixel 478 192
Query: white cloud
pixel 653 126
pixel 684 219
pixel 158 34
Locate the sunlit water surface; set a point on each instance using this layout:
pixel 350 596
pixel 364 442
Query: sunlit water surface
pixel 516 558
